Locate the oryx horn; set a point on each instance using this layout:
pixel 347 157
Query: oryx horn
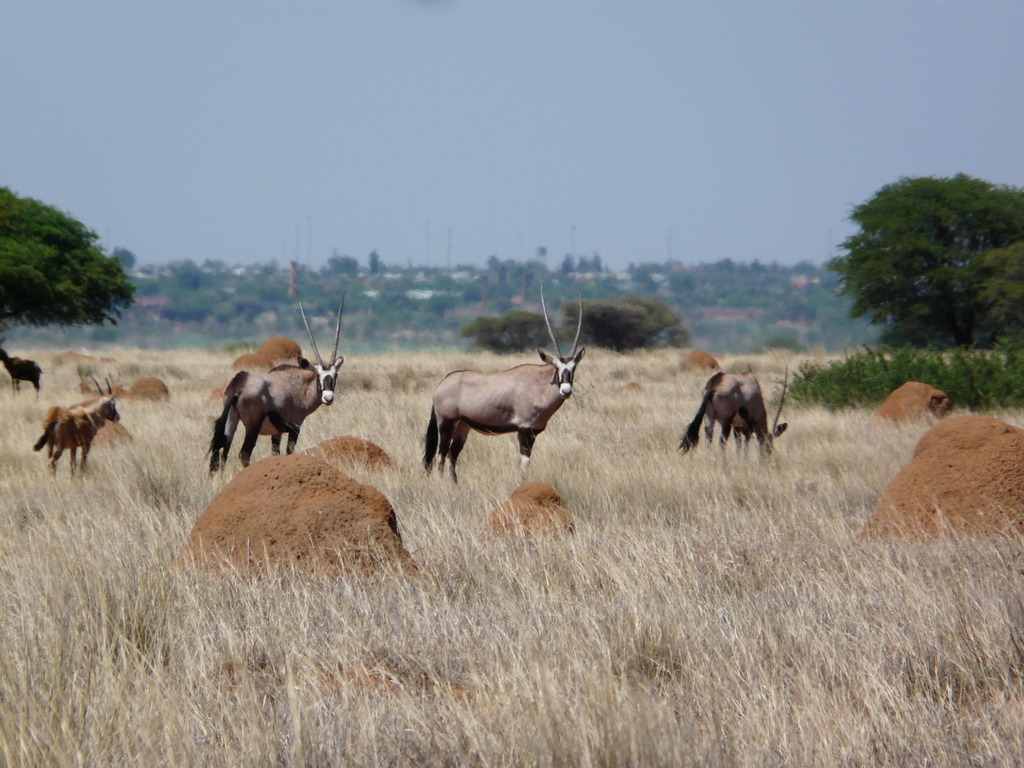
pixel 337 333
pixel 551 333
pixel 579 327
pixel 778 412
pixel 305 322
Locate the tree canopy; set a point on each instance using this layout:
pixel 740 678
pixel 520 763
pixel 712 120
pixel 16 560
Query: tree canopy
pixel 632 322
pixel 918 267
pixel 51 270
pixel 514 331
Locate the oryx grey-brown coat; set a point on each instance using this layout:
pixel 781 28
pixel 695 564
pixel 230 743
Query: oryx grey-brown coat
pixel 730 400
pixel 520 400
pixel 275 402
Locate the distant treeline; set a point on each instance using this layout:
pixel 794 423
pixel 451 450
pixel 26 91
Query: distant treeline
pixel 726 305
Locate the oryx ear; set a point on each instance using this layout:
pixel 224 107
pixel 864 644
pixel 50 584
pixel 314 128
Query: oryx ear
pixel 304 364
pixel 339 362
pixel 579 355
pixel 779 429
pixel 545 357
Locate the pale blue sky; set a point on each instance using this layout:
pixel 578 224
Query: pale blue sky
pixel 231 130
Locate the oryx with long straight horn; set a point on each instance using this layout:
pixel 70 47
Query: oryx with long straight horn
pixel 275 402
pixel 735 402
pixel 520 400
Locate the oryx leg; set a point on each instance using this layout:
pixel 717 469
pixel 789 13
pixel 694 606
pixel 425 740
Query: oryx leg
pixel 283 426
pixel 709 425
pixel 85 455
pixel 458 441
pixel 764 443
pixel 527 437
pixel 726 430
pixel 252 434
pixel 445 431
pixel 74 459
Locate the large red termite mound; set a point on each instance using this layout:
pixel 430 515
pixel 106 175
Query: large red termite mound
pixel 533 508
pixel 296 512
pixel 348 452
pixel 280 349
pixel 910 402
pixel 966 476
pixel 252 362
pixel 700 360
pixel 149 388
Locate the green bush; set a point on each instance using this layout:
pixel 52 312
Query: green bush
pixel 970 378
pixel 632 322
pixel 514 331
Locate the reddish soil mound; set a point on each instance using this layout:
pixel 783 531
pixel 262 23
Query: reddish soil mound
pixel 701 361
pixel 77 357
pixel 280 350
pixel 113 434
pixel 88 388
pixel 966 476
pixel 911 402
pixel 254 362
pixel 149 388
pixel 346 452
pixel 542 493
pixel 297 512
pixel 534 508
pixel 633 387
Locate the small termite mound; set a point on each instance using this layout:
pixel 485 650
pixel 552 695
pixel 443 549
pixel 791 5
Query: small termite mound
pixel 912 401
pixel 348 452
pixel 533 508
pixel 699 360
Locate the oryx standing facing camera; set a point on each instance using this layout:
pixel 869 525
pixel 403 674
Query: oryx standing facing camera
pixel 275 402
pixel 521 400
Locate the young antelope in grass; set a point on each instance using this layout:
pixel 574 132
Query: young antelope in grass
pixel 73 428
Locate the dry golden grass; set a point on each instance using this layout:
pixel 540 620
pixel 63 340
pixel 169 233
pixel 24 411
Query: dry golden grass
pixel 709 609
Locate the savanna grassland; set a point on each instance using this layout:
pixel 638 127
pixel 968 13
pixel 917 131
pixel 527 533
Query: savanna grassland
pixel 712 609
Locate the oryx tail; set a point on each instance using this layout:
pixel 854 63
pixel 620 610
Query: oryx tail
pixel 431 440
pixel 691 437
pixel 219 442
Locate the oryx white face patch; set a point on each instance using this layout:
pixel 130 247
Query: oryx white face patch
pixel 328 377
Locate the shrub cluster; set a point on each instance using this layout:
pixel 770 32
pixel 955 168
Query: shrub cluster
pixel 971 378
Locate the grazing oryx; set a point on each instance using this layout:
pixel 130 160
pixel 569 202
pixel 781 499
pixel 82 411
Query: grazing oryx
pixel 21 370
pixel 734 402
pixel 73 428
pixel 521 400
pixel 275 402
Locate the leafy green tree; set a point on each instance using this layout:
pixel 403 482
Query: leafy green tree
pixel 1003 291
pixel 341 265
pixel 633 322
pixel 916 266
pixel 514 331
pixel 52 271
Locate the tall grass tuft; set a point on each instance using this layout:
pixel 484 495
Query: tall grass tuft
pixel 970 378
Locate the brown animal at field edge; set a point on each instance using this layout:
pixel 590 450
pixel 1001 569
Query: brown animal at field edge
pixel 73 428
pixel 21 370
